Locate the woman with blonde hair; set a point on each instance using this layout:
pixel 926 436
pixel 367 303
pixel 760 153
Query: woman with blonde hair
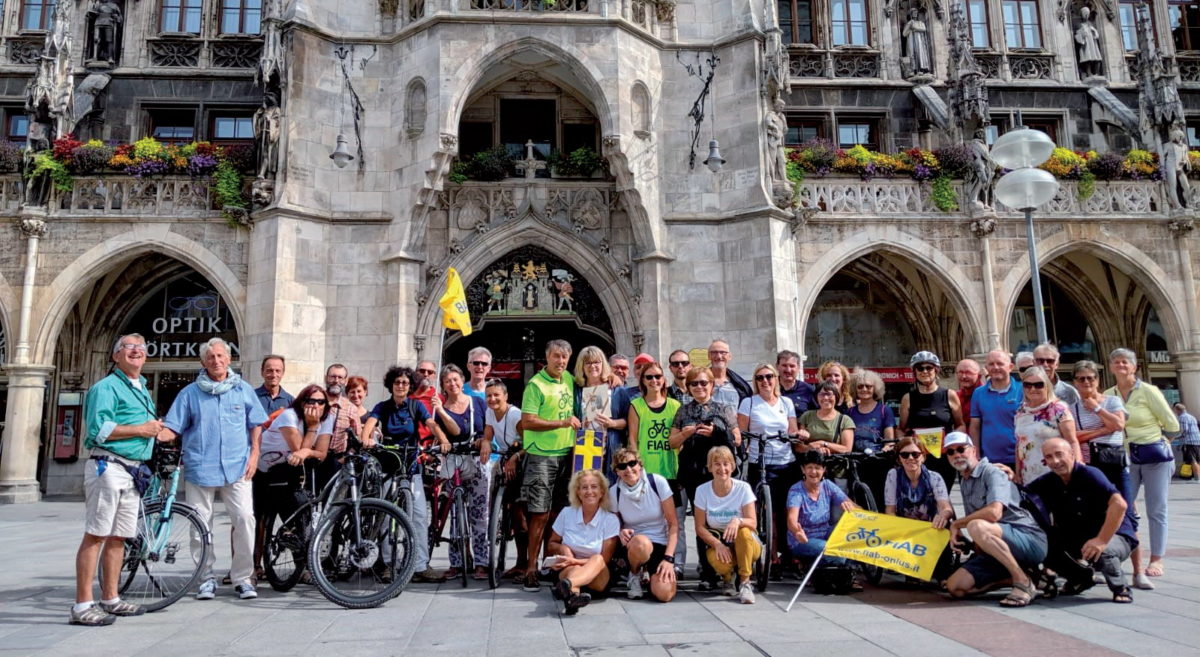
pixel 594 400
pixel 583 540
pixel 766 414
pixel 726 525
pixel 649 525
pixel 1040 417
pixel 837 374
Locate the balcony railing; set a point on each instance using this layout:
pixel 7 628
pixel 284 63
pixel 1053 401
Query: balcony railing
pixel 531 5
pixel 807 62
pixel 121 196
pixel 836 196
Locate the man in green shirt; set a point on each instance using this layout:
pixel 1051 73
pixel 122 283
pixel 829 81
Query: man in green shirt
pixel 121 428
pixel 549 425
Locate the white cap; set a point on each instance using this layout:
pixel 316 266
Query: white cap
pixel 956 438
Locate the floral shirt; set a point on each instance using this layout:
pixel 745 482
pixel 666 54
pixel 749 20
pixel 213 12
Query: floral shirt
pixel 1033 427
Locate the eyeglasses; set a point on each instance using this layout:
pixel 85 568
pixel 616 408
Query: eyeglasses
pixel 924 368
pixel 401 382
pixel 1085 377
pixel 425 372
pixel 1036 385
pixel 1021 370
pixel 912 455
pixel 480 363
pixel 133 347
pixel 865 386
pixel 699 384
pixel 621 467
pixel 312 401
pixel 717 353
pixel 680 363
pixel 764 377
pixel 1045 361
pixel 652 377
pixel 955 450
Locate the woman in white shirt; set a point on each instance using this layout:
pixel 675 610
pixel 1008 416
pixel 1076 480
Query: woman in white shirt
pixel 768 413
pixel 649 527
pixel 725 509
pixel 503 432
pixel 583 540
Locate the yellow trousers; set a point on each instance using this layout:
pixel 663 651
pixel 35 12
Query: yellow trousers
pixel 746 550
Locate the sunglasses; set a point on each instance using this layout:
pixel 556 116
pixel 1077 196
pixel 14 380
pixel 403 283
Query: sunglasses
pixel 425 371
pixel 1045 361
pixel 313 401
pixel 955 450
pixel 912 455
pixel 699 384
pixel 480 363
pixel 621 467
pixel 764 377
pixel 680 363
pixel 924 368
pixel 865 386
pixel 652 377
pixel 1085 377
pixel 1036 385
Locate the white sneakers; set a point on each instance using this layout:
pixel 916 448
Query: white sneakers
pixel 746 593
pixel 634 582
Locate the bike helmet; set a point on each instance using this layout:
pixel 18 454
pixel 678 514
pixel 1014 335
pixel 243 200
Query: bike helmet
pixel 924 357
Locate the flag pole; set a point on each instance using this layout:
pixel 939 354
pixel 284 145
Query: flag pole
pixel 811 570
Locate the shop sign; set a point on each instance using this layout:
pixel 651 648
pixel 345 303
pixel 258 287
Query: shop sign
pixel 180 317
pixel 1158 357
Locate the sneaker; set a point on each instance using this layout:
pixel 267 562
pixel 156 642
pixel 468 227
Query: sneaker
pixel 531 584
pixel 246 591
pixel 706 585
pixel 93 616
pixel 729 588
pixel 746 593
pixel 1142 582
pixel 678 573
pixel 561 590
pixel 577 602
pixel 122 608
pixel 428 576
pixel 634 582
pixel 208 590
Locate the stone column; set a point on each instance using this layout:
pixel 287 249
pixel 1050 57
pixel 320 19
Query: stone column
pixel 407 283
pixel 653 332
pixel 22 432
pixel 1187 356
pixel 983 227
pixel 1187 364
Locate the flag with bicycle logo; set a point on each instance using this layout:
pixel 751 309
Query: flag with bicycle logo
pixel 909 547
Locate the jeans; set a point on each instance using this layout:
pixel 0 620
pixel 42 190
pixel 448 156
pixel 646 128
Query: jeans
pixel 813 549
pixel 1117 475
pixel 419 516
pixel 1157 479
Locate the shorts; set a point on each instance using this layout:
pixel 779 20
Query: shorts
pixel 1027 547
pixel 1190 454
pixel 512 488
pixel 621 558
pixel 111 501
pixel 544 484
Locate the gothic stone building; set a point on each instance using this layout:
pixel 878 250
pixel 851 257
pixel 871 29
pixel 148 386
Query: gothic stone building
pixel 650 252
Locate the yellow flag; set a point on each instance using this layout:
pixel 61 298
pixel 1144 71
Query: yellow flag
pixel 932 438
pixel 455 315
pixel 910 547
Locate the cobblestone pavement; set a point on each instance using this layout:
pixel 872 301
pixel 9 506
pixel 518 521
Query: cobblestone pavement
pixel 38 542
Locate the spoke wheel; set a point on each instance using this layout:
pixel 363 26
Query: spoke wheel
pixel 163 562
pixel 362 559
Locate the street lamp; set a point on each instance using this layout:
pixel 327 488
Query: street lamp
pixel 1026 188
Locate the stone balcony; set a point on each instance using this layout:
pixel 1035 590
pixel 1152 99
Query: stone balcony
pixel 849 197
pixel 122 197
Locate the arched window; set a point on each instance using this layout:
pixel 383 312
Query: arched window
pixel 415 108
pixel 641 110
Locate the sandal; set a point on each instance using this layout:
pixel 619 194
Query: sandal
pixel 515 573
pixel 1020 596
pixel 480 573
pixel 1155 569
pixel 1124 596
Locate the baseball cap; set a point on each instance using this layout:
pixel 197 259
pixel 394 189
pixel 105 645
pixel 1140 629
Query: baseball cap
pixel 643 359
pixel 956 438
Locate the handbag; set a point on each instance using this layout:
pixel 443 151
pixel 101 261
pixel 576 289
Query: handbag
pixel 1156 452
pixel 1107 454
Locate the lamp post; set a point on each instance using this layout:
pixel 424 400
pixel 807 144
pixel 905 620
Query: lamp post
pixel 1026 188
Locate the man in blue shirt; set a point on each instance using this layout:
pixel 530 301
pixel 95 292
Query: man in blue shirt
pixel 1189 439
pixel 220 421
pixel 993 407
pixel 791 382
pixel 271 394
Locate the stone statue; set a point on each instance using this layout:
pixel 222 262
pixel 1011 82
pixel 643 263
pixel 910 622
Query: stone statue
pixel 978 181
pixel 1087 40
pixel 266 131
pixel 104 21
pixel 916 43
pixel 1176 166
pixel 775 130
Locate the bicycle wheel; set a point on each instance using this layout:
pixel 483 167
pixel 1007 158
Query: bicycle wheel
pixel 498 522
pixel 462 533
pixel 163 562
pixel 862 496
pixel 766 533
pixel 361 560
pixel 285 551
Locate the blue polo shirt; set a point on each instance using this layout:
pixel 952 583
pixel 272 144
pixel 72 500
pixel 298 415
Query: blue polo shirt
pixel 996 410
pixel 271 404
pixel 801 395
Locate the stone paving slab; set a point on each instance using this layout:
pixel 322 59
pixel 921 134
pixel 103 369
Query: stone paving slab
pixel 38 542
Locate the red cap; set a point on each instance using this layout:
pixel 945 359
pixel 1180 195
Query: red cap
pixel 643 359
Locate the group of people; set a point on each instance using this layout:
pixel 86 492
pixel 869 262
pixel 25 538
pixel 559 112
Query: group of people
pixel 673 438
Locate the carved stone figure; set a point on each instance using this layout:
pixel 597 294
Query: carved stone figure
pixel 88 105
pixel 104 25
pixel 916 44
pixel 1087 41
pixel 978 180
pixel 1176 166
pixel 968 95
pixel 266 130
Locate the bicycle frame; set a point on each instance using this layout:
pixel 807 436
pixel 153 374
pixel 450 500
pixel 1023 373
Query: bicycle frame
pixel 153 493
pixel 441 513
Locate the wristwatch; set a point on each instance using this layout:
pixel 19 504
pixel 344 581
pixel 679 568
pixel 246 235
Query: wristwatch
pixel 669 559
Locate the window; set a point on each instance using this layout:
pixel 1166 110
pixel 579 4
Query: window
pixel 16 125
pixel 181 16
pixel 173 126
pixel 524 119
pixel 241 16
pixel 578 135
pixel 231 127
pixel 1046 125
pixel 977 22
pixel 1021 24
pixel 1184 19
pixel 37 14
pixel 853 132
pixel 1193 134
pixel 849 22
pixel 474 136
pixel 795 21
pixel 803 128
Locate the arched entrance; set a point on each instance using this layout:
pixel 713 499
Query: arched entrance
pixel 876 311
pixel 521 301
pixel 172 305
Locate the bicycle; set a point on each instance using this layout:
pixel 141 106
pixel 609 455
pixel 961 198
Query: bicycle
pixel 765 521
pixel 859 492
pixel 360 555
pixel 165 559
pixel 500 521
pixel 449 503
pixel 285 547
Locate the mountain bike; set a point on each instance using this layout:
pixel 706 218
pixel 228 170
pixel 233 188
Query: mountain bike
pixel 765 522
pixel 285 547
pixel 163 561
pixel 361 553
pixel 448 507
pixel 858 491
pixel 500 520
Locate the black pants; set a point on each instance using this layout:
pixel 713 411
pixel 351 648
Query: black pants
pixel 690 482
pixel 780 479
pixel 1061 558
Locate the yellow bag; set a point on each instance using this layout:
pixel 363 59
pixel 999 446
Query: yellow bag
pixel 1186 471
